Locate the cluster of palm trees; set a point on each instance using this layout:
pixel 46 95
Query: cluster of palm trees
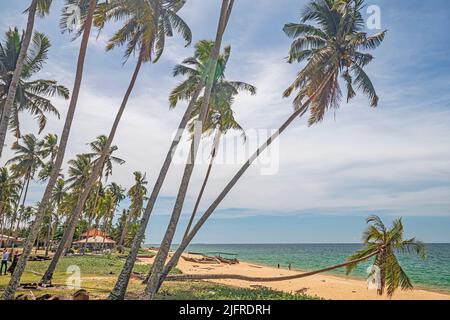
pixel 329 40
pixel 33 161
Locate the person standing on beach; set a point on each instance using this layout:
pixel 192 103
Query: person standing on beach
pixel 14 262
pixel 5 258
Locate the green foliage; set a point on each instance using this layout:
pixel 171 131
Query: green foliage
pixel 333 46
pixel 147 24
pixel 385 244
pixel 32 94
pixel 89 265
pixel 207 291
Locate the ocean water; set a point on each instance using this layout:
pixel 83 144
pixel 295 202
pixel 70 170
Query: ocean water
pixel 433 273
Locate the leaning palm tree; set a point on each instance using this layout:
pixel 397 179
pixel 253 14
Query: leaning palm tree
pixel 385 243
pixel 137 195
pixel 144 34
pixel 161 256
pixel 189 93
pixel 31 94
pixel 41 7
pixel 220 120
pixel 333 47
pixel 87 14
pixel 380 243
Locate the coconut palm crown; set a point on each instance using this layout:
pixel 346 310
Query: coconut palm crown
pixel 32 94
pixel 385 243
pixel 147 24
pixel 333 47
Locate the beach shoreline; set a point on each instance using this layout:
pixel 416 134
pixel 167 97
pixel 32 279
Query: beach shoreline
pixel 326 286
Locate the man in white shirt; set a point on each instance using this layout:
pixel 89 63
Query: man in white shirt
pixel 5 258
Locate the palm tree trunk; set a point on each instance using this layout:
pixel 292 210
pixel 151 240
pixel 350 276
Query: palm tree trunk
pixel 76 213
pixel 52 234
pixel 49 232
pixel 205 181
pixel 16 210
pixel 163 251
pixel 12 286
pixel 124 230
pixel 118 293
pixel 89 226
pixel 183 277
pixel 299 112
pixel 49 235
pixel 4 121
pixel 21 211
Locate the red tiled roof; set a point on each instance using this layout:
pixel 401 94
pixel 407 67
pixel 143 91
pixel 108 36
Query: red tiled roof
pixel 93 233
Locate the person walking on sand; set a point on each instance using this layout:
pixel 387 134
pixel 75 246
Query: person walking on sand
pixel 5 258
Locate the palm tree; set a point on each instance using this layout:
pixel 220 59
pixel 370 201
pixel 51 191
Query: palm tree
pixel 9 195
pixel 137 194
pixel 31 93
pixel 385 243
pixel 379 243
pixel 27 161
pixel 97 147
pixel 41 7
pixel 158 265
pixel 118 193
pixel 220 120
pixel 58 195
pixel 148 24
pixel 87 13
pixel 331 49
pixel 78 172
pixel 192 93
pixel 108 208
pixel 88 163
pixel 49 149
pixel 220 116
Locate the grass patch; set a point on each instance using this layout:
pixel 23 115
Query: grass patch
pixel 201 290
pixel 99 274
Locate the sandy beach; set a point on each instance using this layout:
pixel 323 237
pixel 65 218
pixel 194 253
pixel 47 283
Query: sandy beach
pixel 323 285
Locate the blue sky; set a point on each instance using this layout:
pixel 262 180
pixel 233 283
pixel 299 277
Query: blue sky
pixel 392 161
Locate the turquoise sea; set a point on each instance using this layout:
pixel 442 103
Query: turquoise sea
pixel 433 273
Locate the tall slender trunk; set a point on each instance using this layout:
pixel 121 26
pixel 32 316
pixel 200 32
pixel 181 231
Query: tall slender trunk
pixel 50 233
pixel 76 213
pixel 89 226
pixel 124 230
pixel 47 239
pixel 21 211
pixel 12 90
pixel 52 236
pixel 16 210
pixel 18 271
pixel 161 256
pixel 120 288
pixel 183 277
pixel 299 112
pixel 205 181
